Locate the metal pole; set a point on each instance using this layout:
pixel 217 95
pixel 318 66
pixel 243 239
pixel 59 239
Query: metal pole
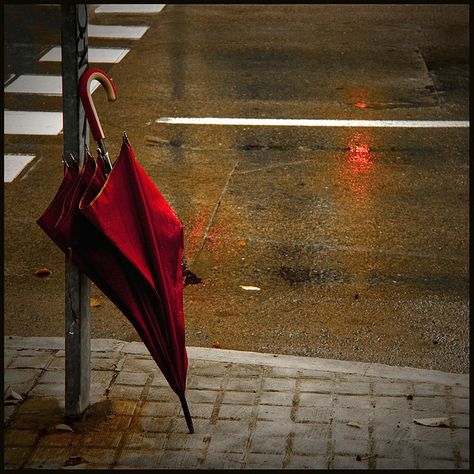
pixel 77 286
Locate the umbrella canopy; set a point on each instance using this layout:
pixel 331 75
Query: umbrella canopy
pixel 117 227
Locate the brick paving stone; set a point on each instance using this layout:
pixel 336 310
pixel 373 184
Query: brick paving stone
pixel 268 444
pixel 55 390
pixel 392 429
pixel 235 412
pixel 58 363
pixel 45 457
pixel 116 423
pixel 285 372
pixel 219 460
pixel 210 370
pixel 20 438
pixel 243 384
pixel 131 378
pixel 158 409
pixel 164 394
pixel 152 424
pixel 198 410
pixel 277 398
pixel 272 428
pixel 436 434
pixel 59 439
pixel 177 441
pixel 344 431
pixel 434 450
pixel 307 462
pixel 317 386
pixel 315 400
pixel 201 396
pixel 33 422
pixel 460 405
pixel 179 459
pixel 264 461
pixel 313 414
pixel 461 421
pixel 123 407
pixel 8 412
pixel 31 362
pixel 393 389
pixel 391 403
pixel 96 455
pixel 14 377
pixel 137 458
pixel 458 391
pixel 105 363
pixel 129 392
pixel 231 427
pixel 349 462
pixel 53 376
pixel 201 426
pixel 358 415
pixel 15 457
pixel 237 370
pixel 137 348
pixel 145 441
pixel 464 450
pixel 428 390
pixel 394 463
pixel 460 435
pixel 430 404
pixel 134 364
pixel 102 440
pixel 355 388
pixel 350 446
pixel 278 384
pixel 159 380
pixel 309 446
pixel 238 398
pixel 352 401
pixel 310 430
pixel 204 382
pixel 393 449
pixel 272 413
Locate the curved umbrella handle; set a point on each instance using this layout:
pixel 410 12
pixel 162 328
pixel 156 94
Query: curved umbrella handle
pixel 86 98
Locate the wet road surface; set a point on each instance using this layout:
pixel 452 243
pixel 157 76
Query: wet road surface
pixel 356 237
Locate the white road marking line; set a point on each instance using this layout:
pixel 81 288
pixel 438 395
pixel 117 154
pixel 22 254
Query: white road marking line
pixel 131 8
pixel 13 165
pixel 95 55
pixel 39 84
pixel 117 31
pixel 314 122
pixel 32 123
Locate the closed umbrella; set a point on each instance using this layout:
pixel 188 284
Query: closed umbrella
pixel 117 227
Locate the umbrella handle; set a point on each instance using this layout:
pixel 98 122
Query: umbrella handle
pixel 86 97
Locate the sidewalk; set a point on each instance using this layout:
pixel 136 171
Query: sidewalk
pixel 250 410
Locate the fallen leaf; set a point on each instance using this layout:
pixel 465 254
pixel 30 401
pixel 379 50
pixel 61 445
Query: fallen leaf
pixel 63 427
pixel 432 421
pixel 216 344
pixel 42 272
pixel 250 288
pixel 94 302
pixel 11 395
pixel 353 424
pixel 241 242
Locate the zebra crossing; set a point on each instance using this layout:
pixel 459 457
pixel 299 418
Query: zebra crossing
pixel 48 122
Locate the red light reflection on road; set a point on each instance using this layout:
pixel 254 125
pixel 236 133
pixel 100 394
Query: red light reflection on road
pixel 359 160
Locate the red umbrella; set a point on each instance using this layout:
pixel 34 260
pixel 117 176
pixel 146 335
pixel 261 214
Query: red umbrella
pixel 116 226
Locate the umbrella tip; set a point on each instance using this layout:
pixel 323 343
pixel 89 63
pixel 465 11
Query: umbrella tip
pixel 125 138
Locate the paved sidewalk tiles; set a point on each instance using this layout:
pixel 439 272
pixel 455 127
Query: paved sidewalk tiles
pixel 251 411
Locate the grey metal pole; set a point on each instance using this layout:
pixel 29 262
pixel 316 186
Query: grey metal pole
pixel 77 286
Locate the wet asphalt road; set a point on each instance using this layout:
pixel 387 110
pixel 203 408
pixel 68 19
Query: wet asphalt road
pixel 356 237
